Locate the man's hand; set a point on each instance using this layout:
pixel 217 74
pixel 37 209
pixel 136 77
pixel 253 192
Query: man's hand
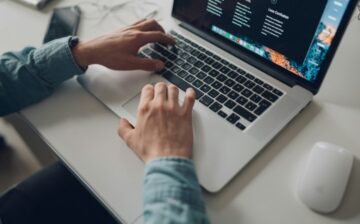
pixel 164 128
pixel 119 50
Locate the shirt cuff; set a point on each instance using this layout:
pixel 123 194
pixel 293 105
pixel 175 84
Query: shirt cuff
pixel 56 61
pixel 172 178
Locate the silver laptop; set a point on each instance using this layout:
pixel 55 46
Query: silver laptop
pixel 254 65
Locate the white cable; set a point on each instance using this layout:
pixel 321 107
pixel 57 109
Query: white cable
pixel 101 11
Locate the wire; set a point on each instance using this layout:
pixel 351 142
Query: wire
pixel 100 11
pixel 358 7
pixel 97 10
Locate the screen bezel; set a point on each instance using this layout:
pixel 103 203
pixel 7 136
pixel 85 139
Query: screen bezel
pixel 266 66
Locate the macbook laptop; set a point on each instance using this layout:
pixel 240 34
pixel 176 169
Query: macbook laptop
pixel 255 65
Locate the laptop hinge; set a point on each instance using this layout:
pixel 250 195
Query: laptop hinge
pixel 277 74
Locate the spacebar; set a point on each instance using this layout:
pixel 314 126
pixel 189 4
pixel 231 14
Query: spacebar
pixel 180 83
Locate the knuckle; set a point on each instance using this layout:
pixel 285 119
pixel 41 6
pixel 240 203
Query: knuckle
pixel 127 140
pixel 160 84
pixel 147 87
pixel 144 108
pixel 119 132
pixel 160 87
pixel 152 21
pixel 172 108
pixel 159 106
pixel 159 33
pixel 173 87
pixel 137 34
pixel 184 114
pixel 123 136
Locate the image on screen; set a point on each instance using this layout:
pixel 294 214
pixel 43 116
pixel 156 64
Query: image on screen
pixel 295 35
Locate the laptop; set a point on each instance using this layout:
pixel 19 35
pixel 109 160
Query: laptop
pixel 255 65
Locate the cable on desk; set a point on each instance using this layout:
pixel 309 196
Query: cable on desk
pixel 99 10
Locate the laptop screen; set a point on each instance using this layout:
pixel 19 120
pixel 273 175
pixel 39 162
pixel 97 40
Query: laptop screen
pixel 292 35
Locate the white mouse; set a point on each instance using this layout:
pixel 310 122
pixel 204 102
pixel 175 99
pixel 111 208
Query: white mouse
pixel 325 179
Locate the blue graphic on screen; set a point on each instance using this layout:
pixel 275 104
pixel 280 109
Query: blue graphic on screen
pixel 309 69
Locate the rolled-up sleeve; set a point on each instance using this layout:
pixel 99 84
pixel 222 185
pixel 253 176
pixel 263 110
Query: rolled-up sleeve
pixel 172 193
pixel 30 75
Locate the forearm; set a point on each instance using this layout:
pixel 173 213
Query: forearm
pixel 172 193
pixel 28 76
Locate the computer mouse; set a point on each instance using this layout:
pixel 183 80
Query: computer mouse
pixel 324 181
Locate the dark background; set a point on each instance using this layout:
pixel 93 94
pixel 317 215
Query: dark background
pixel 304 16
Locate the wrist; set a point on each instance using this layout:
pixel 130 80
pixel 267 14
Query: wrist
pixel 81 56
pixel 80 52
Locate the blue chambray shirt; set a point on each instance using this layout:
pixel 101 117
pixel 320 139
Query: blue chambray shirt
pixel 171 190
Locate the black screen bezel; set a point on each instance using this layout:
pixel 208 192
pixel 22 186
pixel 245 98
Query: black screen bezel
pixel 266 66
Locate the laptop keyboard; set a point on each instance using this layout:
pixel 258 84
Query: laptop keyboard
pixel 227 90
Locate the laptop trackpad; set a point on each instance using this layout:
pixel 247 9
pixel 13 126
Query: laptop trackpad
pixel 132 105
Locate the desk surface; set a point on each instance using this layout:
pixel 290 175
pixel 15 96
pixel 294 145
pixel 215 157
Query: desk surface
pixel 82 132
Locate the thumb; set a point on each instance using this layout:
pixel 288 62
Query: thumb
pixel 148 64
pixel 125 130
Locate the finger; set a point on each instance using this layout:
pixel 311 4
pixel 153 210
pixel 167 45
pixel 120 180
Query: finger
pixel 125 130
pixel 156 37
pixel 147 94
pixel 160 92
pixel 150 25
pixel 189 100
pixel 173 95
pixel 146 64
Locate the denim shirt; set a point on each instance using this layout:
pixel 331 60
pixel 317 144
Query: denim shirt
pixel 171 190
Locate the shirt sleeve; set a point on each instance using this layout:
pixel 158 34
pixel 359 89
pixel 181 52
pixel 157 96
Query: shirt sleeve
pixel 30 75
pixel 172 193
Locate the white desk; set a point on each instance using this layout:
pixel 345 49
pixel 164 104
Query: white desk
pixel 82 132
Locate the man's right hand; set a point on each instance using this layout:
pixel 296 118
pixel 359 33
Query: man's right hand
pixel 119 50
pixel 164 128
